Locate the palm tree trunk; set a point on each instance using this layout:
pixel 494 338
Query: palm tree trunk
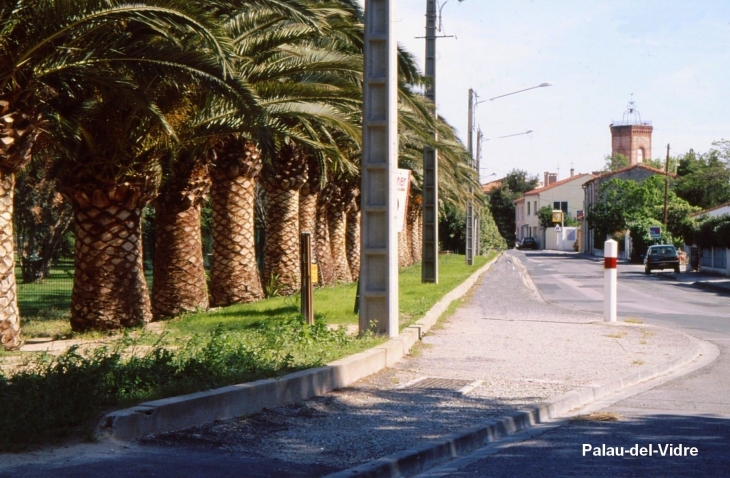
pixel 19 133
pixel 10 316
pixel 323 249
pixel 308 210
pixel 282 181
pixel 109 290
pixel 281 251
pixel 234 273
pixel 404 254
pixel 415 233
pixel 337 221
pixel 179 279
pixel 353 239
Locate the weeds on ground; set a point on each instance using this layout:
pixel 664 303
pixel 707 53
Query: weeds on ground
pixel 52 396
pixel 49 396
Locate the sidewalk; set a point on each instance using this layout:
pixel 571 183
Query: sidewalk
pixel 504 360
pixel 717 283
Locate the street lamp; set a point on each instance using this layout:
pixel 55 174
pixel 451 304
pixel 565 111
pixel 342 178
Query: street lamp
pixel 516 134
pixel 542 85
pixel 472 219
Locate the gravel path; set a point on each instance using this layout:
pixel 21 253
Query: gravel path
pixel 507 346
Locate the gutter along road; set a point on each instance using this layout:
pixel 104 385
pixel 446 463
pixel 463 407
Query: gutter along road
pixel 691 410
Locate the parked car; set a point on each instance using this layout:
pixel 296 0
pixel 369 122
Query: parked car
pixel 661 256
pixel 528 243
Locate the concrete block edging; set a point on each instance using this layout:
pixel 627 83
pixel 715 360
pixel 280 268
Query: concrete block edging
pixel 178 413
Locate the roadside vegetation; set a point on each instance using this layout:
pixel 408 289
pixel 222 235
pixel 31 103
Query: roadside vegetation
pixel 702 181
pixel 194 352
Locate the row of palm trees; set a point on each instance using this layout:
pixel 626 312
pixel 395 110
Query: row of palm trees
pixel 170 102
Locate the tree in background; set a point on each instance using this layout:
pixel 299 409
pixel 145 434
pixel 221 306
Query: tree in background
pixel 452 233
pixel 616 161
pixel 42 217
pixel 514 186
pixel 704 179
pixel 626 204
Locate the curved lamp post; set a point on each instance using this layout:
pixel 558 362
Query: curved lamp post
pixel 472 220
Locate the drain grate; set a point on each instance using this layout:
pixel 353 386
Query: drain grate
pixel 434 383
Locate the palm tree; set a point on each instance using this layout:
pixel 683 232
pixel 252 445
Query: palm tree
pixel 65 51
pixel 305 90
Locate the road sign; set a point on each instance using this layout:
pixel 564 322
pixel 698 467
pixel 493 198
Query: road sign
pixel 557 216
pixel 655 232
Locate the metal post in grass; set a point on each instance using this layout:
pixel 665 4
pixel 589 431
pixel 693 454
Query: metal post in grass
pixel 305 254
pixel 379 240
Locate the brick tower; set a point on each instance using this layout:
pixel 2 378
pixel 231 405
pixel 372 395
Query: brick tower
pixel 631 136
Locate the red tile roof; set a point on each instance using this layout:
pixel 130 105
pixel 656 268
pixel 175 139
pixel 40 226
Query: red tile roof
pixel 487 187
pixel 626 168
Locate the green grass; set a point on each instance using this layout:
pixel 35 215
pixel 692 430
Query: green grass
pixel 52 294
pixel 335 305
pixel 195 352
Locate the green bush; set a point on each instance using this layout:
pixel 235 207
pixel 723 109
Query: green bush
pixel 51 396
pixel 712 232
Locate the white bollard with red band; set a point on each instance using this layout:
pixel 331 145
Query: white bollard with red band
pixel 610 253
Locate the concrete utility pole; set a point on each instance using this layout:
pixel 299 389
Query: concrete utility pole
pixel 379 239
pixel 478 215
pixel 430 233
pixel 666 189
pixel 470 223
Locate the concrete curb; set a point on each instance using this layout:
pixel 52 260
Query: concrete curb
pixel 422 457
pixel 707 285
pixel 178 413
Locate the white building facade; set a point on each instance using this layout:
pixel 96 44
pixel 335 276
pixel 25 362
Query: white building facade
pixel 566 195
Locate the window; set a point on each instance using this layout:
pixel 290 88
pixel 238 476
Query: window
pixel 534 207
pixel 528 208
pixel 562 205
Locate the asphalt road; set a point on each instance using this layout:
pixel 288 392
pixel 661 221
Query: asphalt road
pixel 692 410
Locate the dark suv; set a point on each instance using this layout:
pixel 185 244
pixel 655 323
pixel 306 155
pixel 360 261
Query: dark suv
pixel 661 256
pixel 528 243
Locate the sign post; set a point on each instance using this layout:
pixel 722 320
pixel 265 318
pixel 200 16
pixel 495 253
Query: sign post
pixel 610 253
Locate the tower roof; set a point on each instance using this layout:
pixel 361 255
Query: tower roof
pixel 631 116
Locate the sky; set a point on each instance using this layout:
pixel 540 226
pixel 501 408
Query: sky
pixel 671 57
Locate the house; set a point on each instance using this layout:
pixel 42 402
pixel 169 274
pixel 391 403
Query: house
pixel 637 172
pixel 487 188
pixel 713 211
pixel 566 195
